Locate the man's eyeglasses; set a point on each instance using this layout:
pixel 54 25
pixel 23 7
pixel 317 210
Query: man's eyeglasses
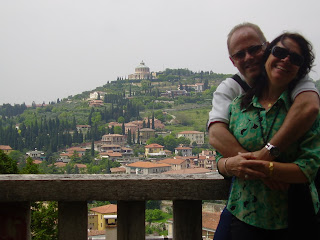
pixel 282 53
pixel 252 50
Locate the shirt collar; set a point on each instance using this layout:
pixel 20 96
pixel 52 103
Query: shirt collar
pixel 284 98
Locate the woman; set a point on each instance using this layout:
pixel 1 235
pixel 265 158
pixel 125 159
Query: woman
pixel 259 212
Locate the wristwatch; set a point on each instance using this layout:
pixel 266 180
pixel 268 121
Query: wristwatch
pixel 273 150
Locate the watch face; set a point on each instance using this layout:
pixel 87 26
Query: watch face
pixel 274 151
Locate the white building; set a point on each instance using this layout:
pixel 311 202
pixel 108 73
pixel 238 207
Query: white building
pixel 193 136
pixel 147 168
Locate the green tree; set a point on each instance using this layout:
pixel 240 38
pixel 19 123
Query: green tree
pixel 118 130
pixel 92 148
pixel 44 217
pixel 170 142
pixel 30 167
pixel 75 157
pixel 121 119
pixel 7 165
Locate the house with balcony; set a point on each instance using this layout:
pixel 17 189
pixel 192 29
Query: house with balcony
pixel 40 155
pixel 183 151
pixel 126 151
pixel 110 147
pixel 193 136
pixel 153 150
pixel 147 168
pixel 175 163
pixel 208 162
pixel 117 139
pixel 100 218
pixel 114 156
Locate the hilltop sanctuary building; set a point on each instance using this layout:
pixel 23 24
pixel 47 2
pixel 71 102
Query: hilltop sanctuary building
pixel 141 72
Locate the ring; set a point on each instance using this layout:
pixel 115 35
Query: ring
pixel 246 176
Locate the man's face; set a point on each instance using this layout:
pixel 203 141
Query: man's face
pixel 249 64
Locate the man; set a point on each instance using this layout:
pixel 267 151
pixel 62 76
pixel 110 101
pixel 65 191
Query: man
pixel 246 44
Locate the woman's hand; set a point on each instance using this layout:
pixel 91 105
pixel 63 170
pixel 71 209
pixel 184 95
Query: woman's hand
pixel 263 166
pixel 237 167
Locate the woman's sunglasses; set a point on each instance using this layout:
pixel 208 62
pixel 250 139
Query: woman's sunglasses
pixel 282 53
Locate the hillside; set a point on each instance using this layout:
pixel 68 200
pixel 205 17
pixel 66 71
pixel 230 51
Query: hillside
pixel 51 127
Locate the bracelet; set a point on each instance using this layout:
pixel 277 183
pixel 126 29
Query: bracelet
pixel 225 167
pixel 271 167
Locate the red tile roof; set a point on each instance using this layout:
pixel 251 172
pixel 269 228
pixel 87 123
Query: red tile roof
pixel 106 209
pixel 79 165
pixel 153 145
pixel 147 165
pixel 210 220
pixel 60 164
pixel 114 154
pixel 172 161
pixel 117 170
pixel 5 147
pixel 37 161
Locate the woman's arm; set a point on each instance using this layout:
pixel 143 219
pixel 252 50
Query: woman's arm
pixel 235 166
pixel 283 172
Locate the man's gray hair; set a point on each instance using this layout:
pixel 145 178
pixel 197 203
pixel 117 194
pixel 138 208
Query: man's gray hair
pixel 246 25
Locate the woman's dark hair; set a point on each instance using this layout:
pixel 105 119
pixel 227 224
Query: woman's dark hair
pixel 261 81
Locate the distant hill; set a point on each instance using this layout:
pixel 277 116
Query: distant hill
pixel 52 126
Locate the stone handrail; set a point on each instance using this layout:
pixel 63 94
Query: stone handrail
pixel 130 191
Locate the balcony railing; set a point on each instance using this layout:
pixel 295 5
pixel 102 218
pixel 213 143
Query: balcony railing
pixel 131 191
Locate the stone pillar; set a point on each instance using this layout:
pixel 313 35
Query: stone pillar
pixel 73 221
pixel 15 219
pixel 187 220
pixel 131 220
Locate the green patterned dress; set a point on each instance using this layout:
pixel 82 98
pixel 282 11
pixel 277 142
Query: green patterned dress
pixel 251 201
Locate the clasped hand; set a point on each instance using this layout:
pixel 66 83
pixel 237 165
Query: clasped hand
pixel 250 166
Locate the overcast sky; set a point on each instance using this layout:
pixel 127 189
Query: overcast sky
pixel 51 49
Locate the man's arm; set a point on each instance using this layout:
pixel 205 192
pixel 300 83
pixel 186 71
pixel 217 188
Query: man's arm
pixel 223 141
pixel 298 121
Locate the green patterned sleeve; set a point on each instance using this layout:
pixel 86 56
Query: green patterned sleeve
pixel 309 153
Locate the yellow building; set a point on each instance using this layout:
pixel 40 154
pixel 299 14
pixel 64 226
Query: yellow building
pixel 154 149
pixel 6 149
pixel 99 218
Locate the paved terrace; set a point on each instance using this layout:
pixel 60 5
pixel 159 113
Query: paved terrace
pixel 130 191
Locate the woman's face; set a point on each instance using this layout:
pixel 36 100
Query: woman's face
pixel 281 71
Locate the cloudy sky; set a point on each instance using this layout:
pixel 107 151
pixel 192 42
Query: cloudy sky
pixel 51 49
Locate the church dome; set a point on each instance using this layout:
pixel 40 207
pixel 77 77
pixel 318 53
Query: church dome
pixel 142 68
